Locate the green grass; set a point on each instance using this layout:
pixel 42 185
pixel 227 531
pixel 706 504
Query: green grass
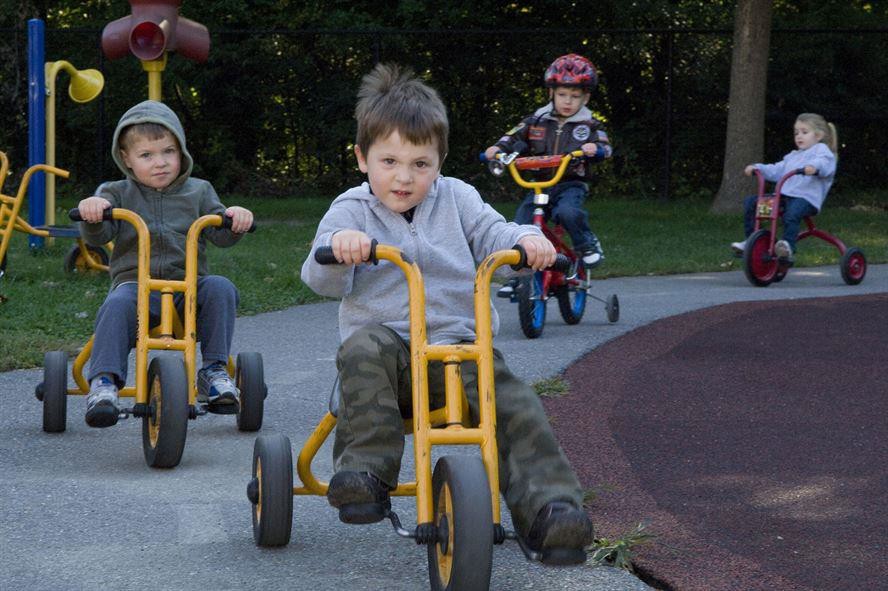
pixel 45 309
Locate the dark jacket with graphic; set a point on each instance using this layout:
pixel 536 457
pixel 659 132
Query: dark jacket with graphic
pixel 543 134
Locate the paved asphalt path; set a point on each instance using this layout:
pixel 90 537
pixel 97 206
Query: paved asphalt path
pixel 80 510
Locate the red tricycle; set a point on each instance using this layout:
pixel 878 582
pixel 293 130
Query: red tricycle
pixel 760 261
pixel 570 288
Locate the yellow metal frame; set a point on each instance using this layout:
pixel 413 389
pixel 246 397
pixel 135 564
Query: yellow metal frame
pixel 448 425
pixel 170 334
pixel 538 186
pixel 10 209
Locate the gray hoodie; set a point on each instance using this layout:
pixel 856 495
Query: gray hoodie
pixel 168 213
pixel 452 231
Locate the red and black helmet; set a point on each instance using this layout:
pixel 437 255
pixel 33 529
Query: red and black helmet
pixel 571 70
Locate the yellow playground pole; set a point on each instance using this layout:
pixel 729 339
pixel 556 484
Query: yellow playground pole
pixel 85 86
pixel 154 69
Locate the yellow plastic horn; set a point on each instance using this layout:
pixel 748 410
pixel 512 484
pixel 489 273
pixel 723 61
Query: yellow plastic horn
pixel 85 85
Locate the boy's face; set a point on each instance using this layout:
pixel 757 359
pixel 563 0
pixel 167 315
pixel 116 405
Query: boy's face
pixel 400 173
pixel 569 100
pixel 805 135
pixel 155 162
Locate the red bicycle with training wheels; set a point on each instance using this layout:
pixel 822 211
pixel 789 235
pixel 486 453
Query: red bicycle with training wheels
pixel 570 288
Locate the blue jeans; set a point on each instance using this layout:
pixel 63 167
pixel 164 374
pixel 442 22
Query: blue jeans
pixel 115 331
pixel 792 211
pixel 566 209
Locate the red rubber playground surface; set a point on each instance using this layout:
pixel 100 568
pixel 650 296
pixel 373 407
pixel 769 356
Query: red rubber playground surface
pixel 752 438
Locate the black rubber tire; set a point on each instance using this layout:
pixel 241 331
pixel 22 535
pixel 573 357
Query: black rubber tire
pixel 571 303
pixel 853 266
pixel 531 312
pixel 55 391
pixel 271 490
pixel 164 432
pixel 466 557
pixel 758 271
pixel 612 307
pixel 75 263
pixel 250 379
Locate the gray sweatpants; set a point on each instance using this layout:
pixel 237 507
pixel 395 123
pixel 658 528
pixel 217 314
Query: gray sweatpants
pixel 375 386
pixel 115 328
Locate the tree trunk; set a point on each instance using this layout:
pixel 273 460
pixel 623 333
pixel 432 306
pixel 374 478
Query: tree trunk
pixel 746 103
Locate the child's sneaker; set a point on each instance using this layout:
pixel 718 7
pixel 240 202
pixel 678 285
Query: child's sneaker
pixel 508 289
pixel 739 247
pixel 592 258
pixel 216 388
pixel 360 497
pixel 102 403
pixel 560 533
pixel 783 250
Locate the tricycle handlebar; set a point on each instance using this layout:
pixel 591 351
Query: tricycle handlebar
pixel 108 214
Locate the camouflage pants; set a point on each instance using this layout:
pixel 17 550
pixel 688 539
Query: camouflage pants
pixel 375 385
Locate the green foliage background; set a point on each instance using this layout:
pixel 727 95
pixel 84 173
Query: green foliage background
pixel 271 112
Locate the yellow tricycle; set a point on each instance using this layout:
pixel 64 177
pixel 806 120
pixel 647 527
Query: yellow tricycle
pixel 80 257
pixel 165 392
pixel 457 505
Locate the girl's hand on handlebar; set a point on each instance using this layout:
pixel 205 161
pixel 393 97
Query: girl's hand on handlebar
pixel 350 247
pixel 491 152
pixel 810 170
pixel 749 169
pixel 92 208
pixel 540 252
pixel 241 219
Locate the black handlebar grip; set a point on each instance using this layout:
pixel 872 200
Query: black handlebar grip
pixel 522 263
pixel 562 263
pixel 324 254
pixel 74 215
pixel 226 223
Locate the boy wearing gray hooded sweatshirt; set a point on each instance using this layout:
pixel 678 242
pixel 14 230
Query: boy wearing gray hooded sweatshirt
pixel 442 224
pixel 149 148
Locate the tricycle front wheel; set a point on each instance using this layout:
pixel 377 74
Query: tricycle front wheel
pixel 165 424
pixel 759 263
pixel 462 558
pixel 271 490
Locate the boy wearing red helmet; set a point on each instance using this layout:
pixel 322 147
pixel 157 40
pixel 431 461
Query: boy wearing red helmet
pixel 563 125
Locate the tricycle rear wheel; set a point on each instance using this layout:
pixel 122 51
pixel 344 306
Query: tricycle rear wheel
pixel 55 391
pixel 853 266
pixel 75 261
pixel 250 380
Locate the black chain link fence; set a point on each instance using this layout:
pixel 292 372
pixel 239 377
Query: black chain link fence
pixel 270 113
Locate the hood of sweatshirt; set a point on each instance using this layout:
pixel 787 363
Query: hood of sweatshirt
pixel 153 112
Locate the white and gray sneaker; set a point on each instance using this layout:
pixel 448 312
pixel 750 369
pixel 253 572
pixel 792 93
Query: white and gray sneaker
pixel 783 250
pixel 508 288
pixel 592 258
pixel 216 388
pixel 738 247
pixel 102 408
